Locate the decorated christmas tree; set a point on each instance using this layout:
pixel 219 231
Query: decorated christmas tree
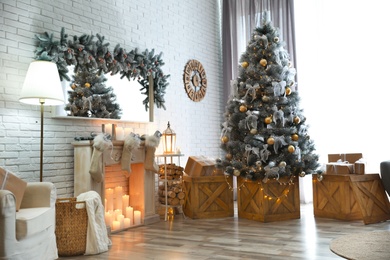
pixel 90 97
pixel 264 134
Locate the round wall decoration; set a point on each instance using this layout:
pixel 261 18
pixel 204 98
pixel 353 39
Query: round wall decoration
pixel 195 81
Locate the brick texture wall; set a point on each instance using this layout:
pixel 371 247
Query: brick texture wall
pixel 182 30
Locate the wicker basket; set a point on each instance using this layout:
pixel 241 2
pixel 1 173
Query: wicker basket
pixel 71 227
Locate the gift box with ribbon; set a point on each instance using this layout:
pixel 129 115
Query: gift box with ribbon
pixel 339 168
pixel 345 163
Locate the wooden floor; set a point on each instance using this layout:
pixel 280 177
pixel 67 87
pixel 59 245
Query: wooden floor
pixel 233 238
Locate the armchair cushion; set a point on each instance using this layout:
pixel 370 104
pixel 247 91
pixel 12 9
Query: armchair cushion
pixel 9 181
pixel 32 220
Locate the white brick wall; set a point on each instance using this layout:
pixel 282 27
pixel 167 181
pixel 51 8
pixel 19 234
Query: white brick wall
pixel 181 29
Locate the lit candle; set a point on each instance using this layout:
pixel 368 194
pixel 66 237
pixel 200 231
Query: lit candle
pixel 110 199
pixel 108 218
pixel 129 214
pixel 116 225
pixel 120 218
pixel 118 197
pixel 120 133
pixel 125 202
pixel 137 217
pixel 127 222
pixel 117 212
pixel 108 129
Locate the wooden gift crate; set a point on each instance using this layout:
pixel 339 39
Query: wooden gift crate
pixel 268 202
pixel 208 196
pixel 351 197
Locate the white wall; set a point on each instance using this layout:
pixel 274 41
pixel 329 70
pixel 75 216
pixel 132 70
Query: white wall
pixel 182 30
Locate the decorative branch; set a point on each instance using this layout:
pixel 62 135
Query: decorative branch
pixel 86 53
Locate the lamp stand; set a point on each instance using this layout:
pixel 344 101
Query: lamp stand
pixel 42 101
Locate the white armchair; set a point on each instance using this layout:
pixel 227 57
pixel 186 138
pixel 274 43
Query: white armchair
pixel 30 232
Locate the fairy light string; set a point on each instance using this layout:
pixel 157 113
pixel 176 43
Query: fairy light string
pixel 266 195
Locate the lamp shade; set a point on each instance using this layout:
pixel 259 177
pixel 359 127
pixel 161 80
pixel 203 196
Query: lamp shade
pixel 42 84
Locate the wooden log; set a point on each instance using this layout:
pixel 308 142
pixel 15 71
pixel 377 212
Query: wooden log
pixel 181 195
pixel 176 189
pixel 174 201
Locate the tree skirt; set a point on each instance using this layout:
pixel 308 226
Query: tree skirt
pixel 368 245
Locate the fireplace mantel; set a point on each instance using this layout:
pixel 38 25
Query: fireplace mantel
pixel 141 183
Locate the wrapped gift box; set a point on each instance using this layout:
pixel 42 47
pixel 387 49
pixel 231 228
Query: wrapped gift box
pixel 201 166
pixel 339 168
pixel 9 181
pixel 345 163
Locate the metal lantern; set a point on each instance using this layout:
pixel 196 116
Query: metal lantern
pixel 169 140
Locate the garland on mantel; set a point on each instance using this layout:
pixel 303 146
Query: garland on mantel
pixel 85 53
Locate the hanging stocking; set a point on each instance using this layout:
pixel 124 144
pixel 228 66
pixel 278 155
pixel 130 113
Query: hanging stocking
pixel 132 141
pixel 151 143
pixel 100 143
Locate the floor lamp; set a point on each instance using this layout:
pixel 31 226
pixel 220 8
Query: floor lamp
pixel 42 86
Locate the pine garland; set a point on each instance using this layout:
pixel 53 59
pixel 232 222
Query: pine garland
pixel 86 53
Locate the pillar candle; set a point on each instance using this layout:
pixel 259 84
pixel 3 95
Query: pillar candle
pixel 108 218
pixel 117 212
pixel 137 217
pixel 120 218
pixel 120 133
pixel 118 197
pixel 108 129
pixel 110 199
pixel 125 202
pixel 116 225
pixel 127 222
pixel 130 214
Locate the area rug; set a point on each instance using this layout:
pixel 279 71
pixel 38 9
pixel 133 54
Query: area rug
pixel 368 245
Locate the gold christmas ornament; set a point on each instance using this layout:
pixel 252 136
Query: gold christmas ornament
pixel 228 156
pixel 302 174
pixel 73 86
pixel 225 139
pixel 263 62
pixel 297 120
pixel 265 98
pixel 291 148
pixel 243 108
pixel 282 164
pixel 268 120
pixel 236 173
pixel 294 137
pixel 288 91
pixel 87 85
pixel 276 39
pixel 244 64
pixel 270 141
pixel 253 131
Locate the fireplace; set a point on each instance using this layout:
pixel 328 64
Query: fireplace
pixel 139 186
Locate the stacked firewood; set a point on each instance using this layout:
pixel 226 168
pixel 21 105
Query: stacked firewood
pixel 174 192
